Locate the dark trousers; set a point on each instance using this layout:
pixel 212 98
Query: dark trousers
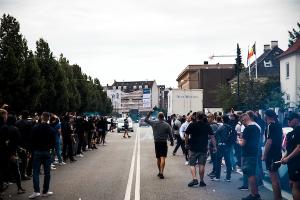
pixel 23 161
pixel 14 166
pixel 223 151
pixel 180 143
pixel 41 158
pixel 80 143
pixel 67 148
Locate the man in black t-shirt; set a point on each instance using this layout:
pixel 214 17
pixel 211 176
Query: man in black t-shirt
pixel 197 135
pixel 272 151
pixel 250 146
pixel 292 158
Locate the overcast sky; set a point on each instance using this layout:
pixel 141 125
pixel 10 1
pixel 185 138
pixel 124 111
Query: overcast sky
pixel 151 39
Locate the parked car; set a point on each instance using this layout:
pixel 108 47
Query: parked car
pixel 120 124
pixel 142 122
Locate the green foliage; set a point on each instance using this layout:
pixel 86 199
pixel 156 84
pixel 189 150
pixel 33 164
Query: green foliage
pixel 38 82
pixel 294 35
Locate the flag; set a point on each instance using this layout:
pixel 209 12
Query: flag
pixel 251 52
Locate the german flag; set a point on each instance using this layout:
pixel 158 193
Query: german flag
pixel 251 52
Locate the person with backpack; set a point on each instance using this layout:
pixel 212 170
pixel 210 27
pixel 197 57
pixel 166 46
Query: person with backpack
pixel 225 137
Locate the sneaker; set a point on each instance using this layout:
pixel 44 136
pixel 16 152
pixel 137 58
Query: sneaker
pixel 250 197
pixel 243 188
pixel 34 195
pixel 211 175
pixel 202 184
pixel 161 176
pixel 53 168
pixel 186 163
pixel 47 194
pixel 21 191
pixel 215 179
pixel 193 183
pixel 227 179
pixel 55 162
pixel 174 154
pixel 80 155
pixel 62 163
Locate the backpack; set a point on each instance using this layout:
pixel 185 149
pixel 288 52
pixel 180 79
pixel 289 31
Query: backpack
pixel 228 135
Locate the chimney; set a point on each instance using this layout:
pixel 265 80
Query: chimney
pixel 274 43
pixel 205 62
pixel 267 47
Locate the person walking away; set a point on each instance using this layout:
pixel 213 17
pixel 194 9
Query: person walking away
pixel 161 132
pixel 126 126
pixel 55 124
pixel 175 129
pixel 43 140
pixel 67 133
pixel 196 140
pixel 250 143
pixel 272 152
pixel 292 158
pixel 225 137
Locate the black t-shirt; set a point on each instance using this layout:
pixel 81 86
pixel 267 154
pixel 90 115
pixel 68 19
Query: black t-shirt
pixel 293 139
pixel 274 132
pixel 251 135
pixel 199 132
pixel 43 137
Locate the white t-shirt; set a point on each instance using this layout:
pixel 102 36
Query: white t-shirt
pixel 183 129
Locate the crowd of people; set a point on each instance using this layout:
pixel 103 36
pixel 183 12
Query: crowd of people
pixel 29 141
pixel 244 141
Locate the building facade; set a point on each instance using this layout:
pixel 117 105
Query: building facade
pixel 290 74
pixel 207 77
pixel 134 95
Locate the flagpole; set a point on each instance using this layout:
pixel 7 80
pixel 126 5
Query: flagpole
pixel 248 63
pixel 255 62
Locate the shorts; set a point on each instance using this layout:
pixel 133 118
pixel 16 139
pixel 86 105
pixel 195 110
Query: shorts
pixel 271 166
pixel 294 174
pixel 249 165
pixel 161 149
pixel 197 158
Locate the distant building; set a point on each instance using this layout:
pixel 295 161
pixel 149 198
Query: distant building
pixel 163 97
pixel 133 95
pixel 290 74
pixel 267 63
pixel 207 77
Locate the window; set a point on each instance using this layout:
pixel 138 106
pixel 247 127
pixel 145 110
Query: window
pixel 146 86
pixel 268 63
pixel 114 87
pixel 287 66
pixel 140 87
pixel 124 87
pixel 120 87
pixel 134 87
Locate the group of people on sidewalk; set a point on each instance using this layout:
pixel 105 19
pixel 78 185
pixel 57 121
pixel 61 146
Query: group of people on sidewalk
pixel 28 142
pixel 243 140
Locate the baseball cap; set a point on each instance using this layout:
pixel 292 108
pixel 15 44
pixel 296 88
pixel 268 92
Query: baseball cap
pixel 270 113
pixel 293 115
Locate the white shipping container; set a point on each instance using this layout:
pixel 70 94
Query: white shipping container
pixel 182 101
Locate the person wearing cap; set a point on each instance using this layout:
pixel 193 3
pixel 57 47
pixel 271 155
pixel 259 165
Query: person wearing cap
pixel 161 132
pixel 272 153
pixel 292 158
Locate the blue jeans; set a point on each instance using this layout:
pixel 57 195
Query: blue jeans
pixel 57 150
pixel 223 151
pixel 41 158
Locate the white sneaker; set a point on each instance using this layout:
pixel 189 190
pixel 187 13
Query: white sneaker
pixel 62 163
pixel 34 195
pixel 80 155
pixel 53 168
pixel 186 163
pixel 55 162
pixel 215 179
pixel 47 194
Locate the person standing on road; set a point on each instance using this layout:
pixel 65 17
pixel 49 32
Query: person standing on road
pixel 250 144
pixel 126 127
pixel 272 151
pixel 196 140
pixel 292 158
pixel 182 136
pixel 42 141
pixel 176 126
pixel 161 132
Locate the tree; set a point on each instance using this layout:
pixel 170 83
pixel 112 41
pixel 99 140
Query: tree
pixel 294 35
pixel 13 53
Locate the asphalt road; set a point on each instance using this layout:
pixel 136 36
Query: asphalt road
pixel 126 169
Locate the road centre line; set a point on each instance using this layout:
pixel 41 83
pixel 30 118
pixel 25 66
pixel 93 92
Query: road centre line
pixel 130 177
pixel 138 169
